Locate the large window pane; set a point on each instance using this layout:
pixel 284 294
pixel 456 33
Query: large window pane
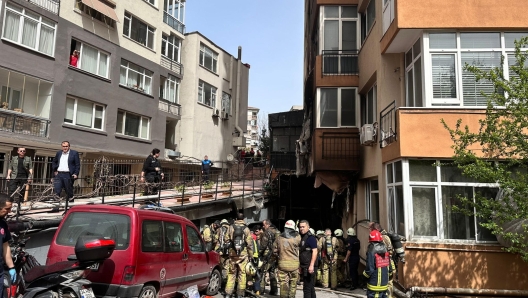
pixel 422 170
pixel 442 40
pixel 349 11
pixel 349 36
pixel 29 33
pixel 451 173
pixel 484 234
pixel 331 35
pixel 331 11
pixel 479 40
pixel 418 100
pixel 348 107
pixel 328 108
pixel 132 125
pixel 424 211
pixel 444 76
pixel 400 210
pixel 374 207
pixel 511 37
pixel 89 59
pixel 70 106
pixel 84 113
pixel 456 224
pixel 12 25
pixel 472 89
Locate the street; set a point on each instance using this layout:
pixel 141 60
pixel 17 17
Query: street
pixel 320 293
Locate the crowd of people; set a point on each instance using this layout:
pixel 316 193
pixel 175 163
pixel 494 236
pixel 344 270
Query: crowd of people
pixel 298 255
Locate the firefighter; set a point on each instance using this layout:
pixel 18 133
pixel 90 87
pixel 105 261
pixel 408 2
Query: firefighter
pixel 319 278
pixel 341 253
pixel 208 235
pixel 352 257
pixel 241 249
pixel 327 246
pixel 388 243
pixel 379 266
pixel 269 260
pixel 222 247
pixel 286 248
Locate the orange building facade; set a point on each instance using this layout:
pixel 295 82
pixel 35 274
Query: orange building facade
pixel 380 76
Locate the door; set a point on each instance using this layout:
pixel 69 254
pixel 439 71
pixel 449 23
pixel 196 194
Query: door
pixel 150 265
pixel 175 259
pixel 198 268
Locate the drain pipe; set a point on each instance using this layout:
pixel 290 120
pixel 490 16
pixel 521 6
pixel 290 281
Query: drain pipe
pixel 461 291
pixel 239 65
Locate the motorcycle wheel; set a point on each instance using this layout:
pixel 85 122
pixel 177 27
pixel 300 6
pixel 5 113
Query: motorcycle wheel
pixel 148 292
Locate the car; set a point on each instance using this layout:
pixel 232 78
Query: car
pixel 157 254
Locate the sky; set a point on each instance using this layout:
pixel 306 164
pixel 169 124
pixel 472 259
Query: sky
pixel 271 35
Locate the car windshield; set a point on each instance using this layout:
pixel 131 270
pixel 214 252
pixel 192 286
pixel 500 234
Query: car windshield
pixel 109 226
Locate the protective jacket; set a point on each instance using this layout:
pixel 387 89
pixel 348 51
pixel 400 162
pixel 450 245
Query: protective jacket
pixel 247 240
pixel 207 234
pixel 328 246
pixel 221 246
pixel 379 267
pixel 387 241
pixel 286 246
pixel 267 240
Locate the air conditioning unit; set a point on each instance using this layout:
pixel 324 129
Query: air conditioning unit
pixel 238 141
pixel 216 112
pixel 225 115
pixel 368 135
pixel 173 154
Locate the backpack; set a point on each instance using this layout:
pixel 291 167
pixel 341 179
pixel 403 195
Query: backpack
pixel 329 248
pixel 223 247
pixel 239 242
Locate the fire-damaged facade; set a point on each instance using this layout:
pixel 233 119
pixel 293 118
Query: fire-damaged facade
pixel 379 77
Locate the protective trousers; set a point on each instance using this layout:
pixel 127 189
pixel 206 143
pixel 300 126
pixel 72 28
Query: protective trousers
pixel 236 273
pixel 341 270
pixel 270 269
pixel 375 294
pixel 288 283
pixel 224 261
pixel 329 275
pixel 389 290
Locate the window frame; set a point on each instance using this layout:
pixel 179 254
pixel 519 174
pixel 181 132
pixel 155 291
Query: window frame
pixel 129 18
pixel 214 58
pixel 366 27
pixel 365 107
pixel 224 94
pixel 162 244
pixel 201 94
pixel 412 68
pixel 167 245
pixel 369 191
pixel 166 43
pixel 99 51
pixel 357 107
pixel 181 9
pixel 123 123
pixel 166 85
pixel 340 20
pixel 94 106
pixel 23 17
pixel 143 76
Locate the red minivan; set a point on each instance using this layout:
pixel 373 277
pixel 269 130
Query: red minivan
pixel 156 253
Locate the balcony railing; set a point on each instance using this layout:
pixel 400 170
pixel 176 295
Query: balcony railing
pixel 340 62
pixel 49 5
pixel 283 160
pixel 340 146
pixel 169 107
pixel 22 124
pixel 171 65
pixel 173 22
pixel 388 125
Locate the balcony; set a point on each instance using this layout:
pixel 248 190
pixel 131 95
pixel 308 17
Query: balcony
pixel 171 65
pixel 336 149
pixel 49 5
pixel 169 107
pixel 335 70
pixel 173 22
pixel 340 62
pixel 19 123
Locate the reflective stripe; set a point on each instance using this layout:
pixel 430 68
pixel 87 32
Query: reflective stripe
pixel 377 288
pixel 365 274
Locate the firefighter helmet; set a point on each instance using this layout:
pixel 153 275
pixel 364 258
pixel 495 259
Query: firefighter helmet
pixel 375 236
pixel 250 269
pixel 312 231
pixel 338 232
pixel 351 232
pixel 224 221
pixel 290 224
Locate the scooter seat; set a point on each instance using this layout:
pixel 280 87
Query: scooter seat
pixel 39 271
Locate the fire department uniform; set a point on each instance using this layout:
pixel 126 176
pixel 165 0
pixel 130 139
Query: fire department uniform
pixel 378 268
pixel 220 245
pixel 208 237
pixel 238 261
pixel 269 259
pixel 327 245
pixel 388 243
pixel 286 247
pixel 340 265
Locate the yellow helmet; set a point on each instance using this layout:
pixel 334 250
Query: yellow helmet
pixel 250 269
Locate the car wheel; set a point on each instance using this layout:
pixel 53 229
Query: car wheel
pixel 215 282
pixel 148 292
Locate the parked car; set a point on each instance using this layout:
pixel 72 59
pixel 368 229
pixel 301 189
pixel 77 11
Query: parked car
pixel 156 253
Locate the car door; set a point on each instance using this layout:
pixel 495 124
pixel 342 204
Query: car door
pixel 151 259
pixel 175 260
pixel 197 271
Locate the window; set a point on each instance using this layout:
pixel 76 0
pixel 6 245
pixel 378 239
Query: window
pixel 170 47
pixel 208 58
pixel 372 202
pixel 135 77
pixel 94 13
pixel 150 1
pixel 395 198
pixel 206 94
pixel 173 237
pixel 340 42
pixel 29 30
pixel 175 9
pixel 413 75
pixel 367 19
pixel 226 103
pixel 368 106
pixel 132 125
pixel 337 107
pixel 84 113
pixel 449 83
pixel 138 31
pixel 151 236
pixel 170 88
pixel 194 240
pixel 91 59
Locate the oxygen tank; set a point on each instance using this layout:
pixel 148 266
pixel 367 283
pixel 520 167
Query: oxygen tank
pixel 399 252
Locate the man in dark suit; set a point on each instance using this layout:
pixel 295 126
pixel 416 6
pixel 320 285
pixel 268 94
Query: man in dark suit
pixel 66 166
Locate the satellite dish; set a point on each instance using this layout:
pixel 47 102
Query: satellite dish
pixel 230 157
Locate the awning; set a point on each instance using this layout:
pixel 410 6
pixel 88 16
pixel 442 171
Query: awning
pixel 102 8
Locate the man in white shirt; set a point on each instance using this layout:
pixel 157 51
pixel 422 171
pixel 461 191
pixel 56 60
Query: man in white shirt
pixel 66 166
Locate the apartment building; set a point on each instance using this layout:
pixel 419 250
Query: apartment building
pixel 379 76
pixel 252 136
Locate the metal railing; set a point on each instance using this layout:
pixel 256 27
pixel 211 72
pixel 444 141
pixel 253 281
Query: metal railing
pixel 49 5
pixel 173 22
pixel 21 124
pixel 340 62
pixel 388 125
pixel 171 65
pixel 340 146
pixel 169 107
pixel 283 160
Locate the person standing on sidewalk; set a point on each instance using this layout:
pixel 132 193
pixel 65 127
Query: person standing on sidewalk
pixel 286 247
pixel 20 171
pixel 352 257
pixel 378 267
pixel 206 168
pixel 269 260
pixel 151 172
pixel 241 249
pixel 66 166
pixel 308 258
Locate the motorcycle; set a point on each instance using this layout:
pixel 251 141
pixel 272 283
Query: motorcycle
pixel 68 278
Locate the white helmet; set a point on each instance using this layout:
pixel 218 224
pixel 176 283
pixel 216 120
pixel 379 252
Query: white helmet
pixel 290 224
pixel 250 269
pixel 338 232
pixel 351 232
pixel 312 231
pixel 321 233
